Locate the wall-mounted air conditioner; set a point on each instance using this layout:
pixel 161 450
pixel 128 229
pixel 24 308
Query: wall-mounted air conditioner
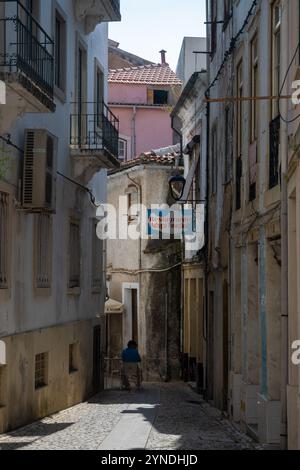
pixel 39 175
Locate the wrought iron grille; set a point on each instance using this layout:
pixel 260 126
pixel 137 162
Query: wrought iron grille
pixel 274 152
pixel 98 130
pixel 25 47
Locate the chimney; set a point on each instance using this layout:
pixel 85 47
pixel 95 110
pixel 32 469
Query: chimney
pixel 163 56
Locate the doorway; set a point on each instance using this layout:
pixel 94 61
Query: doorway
pixel 225 345
pixel 131 317
pixel 97 370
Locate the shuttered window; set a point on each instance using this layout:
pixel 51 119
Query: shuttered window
pixel 43 255
pixel 4 215
pixel 74 254
pixel 97 259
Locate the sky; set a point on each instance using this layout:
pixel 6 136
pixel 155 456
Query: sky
pixel 148 26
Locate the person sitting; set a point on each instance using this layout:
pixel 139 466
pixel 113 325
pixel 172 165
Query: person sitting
pixel 131 366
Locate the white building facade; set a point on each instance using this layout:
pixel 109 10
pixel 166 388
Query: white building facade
pixel 58 139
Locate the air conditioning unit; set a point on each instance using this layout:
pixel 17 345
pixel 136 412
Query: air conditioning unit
pixel 39 175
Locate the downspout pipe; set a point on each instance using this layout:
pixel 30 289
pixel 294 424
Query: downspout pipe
pixel 206 232
pixel 182 249
pixel 284 242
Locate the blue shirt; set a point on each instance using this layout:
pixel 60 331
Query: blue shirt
pixel 131 355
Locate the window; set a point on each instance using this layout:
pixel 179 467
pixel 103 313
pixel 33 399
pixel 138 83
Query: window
pixel 99 92
pixel 274 129
pixel 239 135
pixel 254 89
pixel 4 239
pixel 213 19
pixel 2 386
pixel 73 358
pixel 132 200
pixel 227 10
pixel 74 254
pixel 214 161
pixel 43 251
pixel 227 148
pixel 97 259
pixel 276 56
pixel 160 97
pixel 122 149
pixel 60 52
pixel 239 110
pixel 41 370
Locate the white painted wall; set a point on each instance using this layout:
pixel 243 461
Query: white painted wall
pixel 188 62
pixel 23 310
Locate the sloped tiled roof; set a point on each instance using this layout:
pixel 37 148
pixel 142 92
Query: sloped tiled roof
pixel 154 74
pixel 164 156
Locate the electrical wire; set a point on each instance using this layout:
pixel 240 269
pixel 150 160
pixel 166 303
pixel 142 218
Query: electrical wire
pixel 232 46
pixel 288 121
pixel 9 142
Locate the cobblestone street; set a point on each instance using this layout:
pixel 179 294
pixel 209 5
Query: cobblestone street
pixel 161 417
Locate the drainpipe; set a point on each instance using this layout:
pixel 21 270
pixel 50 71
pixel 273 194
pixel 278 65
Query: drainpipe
pixel 182 250
pixel 284 241
pixel 133 132
pixel 166 334
pixel 206 231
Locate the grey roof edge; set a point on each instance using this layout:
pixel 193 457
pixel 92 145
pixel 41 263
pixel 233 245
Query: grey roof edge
pixel 186 91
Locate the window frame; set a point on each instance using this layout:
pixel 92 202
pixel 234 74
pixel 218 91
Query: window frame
pixel 5 290
pixel 41 381
pixel 97 280
pixel 40 252
pixel 60 88
pixel 72 287
pixel 213 27
pixel 254 84
pixel 124 141
pixel 214 159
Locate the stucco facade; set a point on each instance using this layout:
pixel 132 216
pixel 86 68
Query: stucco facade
pixel 56 328
pixel 188 112
pixel 145 274
pixel 245 231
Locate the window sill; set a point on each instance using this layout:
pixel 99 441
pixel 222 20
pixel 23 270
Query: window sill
pixel 42 291
pixel 272 196
pixel 5 294
pixel 42 387
pixel 74 291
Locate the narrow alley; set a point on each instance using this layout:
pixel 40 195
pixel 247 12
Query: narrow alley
pixel 162 416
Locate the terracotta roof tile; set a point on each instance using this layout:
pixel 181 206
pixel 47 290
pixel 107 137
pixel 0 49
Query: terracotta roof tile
pixel 165 156
pixel 155 74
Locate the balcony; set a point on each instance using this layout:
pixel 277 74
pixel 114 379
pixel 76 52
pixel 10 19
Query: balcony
pixel 93 12
pixel 26 60
pixel 274 152
pixel 94 138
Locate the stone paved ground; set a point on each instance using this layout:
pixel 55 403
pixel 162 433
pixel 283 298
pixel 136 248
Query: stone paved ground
pixel 161 417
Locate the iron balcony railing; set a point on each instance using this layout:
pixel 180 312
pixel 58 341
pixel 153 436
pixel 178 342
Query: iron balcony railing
pixel 94 127
pixel 274 152
pixel 25 47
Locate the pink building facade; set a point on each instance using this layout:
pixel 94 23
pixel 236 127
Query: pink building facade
pixel 142 98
